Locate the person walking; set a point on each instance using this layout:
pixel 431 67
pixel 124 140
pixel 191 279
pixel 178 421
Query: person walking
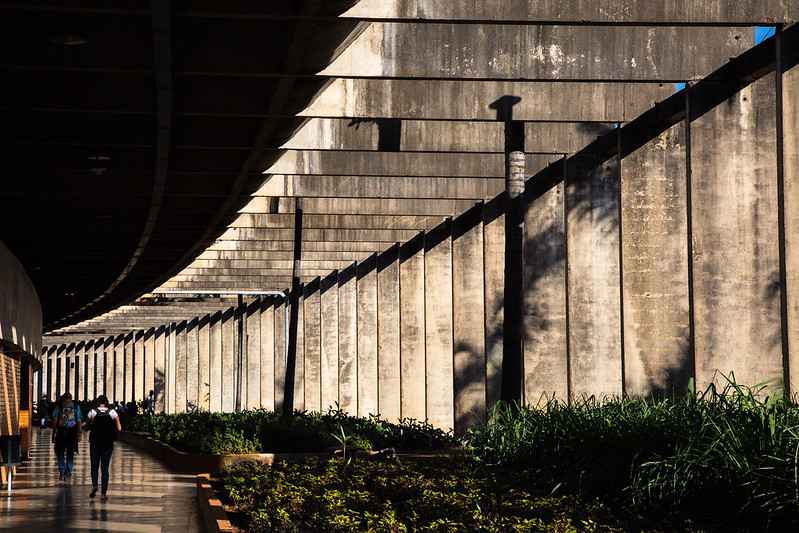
pixel 66 434
pixel 103 423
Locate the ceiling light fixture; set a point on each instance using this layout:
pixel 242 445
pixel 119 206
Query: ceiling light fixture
pixel 69 39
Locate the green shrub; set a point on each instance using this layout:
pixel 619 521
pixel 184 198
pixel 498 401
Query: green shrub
pixel 724 458
pixel 261 430
pixel 443 495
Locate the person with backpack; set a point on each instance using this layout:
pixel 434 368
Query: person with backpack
pixel 66 434
pixel 104 425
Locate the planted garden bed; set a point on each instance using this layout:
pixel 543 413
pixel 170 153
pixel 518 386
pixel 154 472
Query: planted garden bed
pixel 717 461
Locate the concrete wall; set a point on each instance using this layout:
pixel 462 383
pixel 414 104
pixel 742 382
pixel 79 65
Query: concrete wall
pixel 20 311
pixel 641 271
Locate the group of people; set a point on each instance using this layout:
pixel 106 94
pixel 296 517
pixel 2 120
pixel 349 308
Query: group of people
pixel 68 424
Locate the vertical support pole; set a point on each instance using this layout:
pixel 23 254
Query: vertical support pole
pixel 240 317
pixel 292 311
pixel 512 367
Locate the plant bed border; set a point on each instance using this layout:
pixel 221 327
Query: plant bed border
pixel 215 518
pixel 195 463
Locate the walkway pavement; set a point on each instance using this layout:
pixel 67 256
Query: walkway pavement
pixel 143 496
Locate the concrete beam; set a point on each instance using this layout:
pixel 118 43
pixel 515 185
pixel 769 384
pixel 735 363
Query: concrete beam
pixel 614 12
pixel 474 51
pixel 471 100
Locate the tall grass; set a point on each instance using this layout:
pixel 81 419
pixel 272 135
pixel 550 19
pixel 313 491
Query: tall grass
pixel 726 457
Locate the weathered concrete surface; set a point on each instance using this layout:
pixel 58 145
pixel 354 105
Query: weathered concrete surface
pixel 736 256
pixel 228 362
pixel 367 337
pixel 473 51
pixel 279 350
pixel 346 206
pixel 469 311
pixel 180 372
pixel 436 135
pixel 149 364
pixel 350 221
pixel 267 351
pixel 329 370
pixel 193 364
pixel 251 393
pixel 592 228
pixel 412 329
pixel 471 100
pixel 790 114
pixel 544 331
pixel 299 369
pixel 381 186
pixel 438 290
pixel 119 368
pixel 20 311
pixel 494 274
pixel 657 341
pixel 171 367
pixel 159 378
pixel 139 365
pixel 388 335
pixel 348 340
pixel 215 363
pixel 338 163
pixel 204 364
pixel 313 347
pixel 578 11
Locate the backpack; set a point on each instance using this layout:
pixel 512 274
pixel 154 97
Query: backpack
pixel 104 429
pixel 69 417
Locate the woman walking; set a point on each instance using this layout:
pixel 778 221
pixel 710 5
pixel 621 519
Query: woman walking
pixel 66 434
pixel 104 424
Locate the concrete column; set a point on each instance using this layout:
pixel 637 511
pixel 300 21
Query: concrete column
pixel 388 334
pixel 267 375
pixel 366 294
pixel 790 143
pixel 348 340
pixel 299 370
pixel 658 356
pixel 171 368
pixel 108 354
pixel 279 335
pixel 181 366
pixel 192 363
pixel 68 374
pixel 469 319
pixel 592 221
pixel 44 375
pixel 544 331
pixel 329 339
pixel 438 286
pixel 313 346
pixel 228 362
pixel 129 368
pixel 251 395
pixel 204 364
pixel 159 378
pixel 149 363
pixel 90 379
pixel 215 362
pixel 494 215
pixel 77 377
pixel 139 364
pixel 119 368
pixel 736 246
pixel 412 329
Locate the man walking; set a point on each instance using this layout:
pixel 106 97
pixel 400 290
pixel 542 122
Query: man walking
pixel 104 424
pixel 66 434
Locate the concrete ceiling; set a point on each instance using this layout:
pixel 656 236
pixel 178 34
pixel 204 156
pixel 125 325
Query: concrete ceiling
pixel 399 130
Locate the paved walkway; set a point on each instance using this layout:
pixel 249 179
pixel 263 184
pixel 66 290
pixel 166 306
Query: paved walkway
pixel 143 496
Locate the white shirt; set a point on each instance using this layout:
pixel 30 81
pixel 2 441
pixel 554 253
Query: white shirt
pixel 113 414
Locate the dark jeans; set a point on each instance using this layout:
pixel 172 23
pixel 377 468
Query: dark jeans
pixel 101 457
pixel 66 441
